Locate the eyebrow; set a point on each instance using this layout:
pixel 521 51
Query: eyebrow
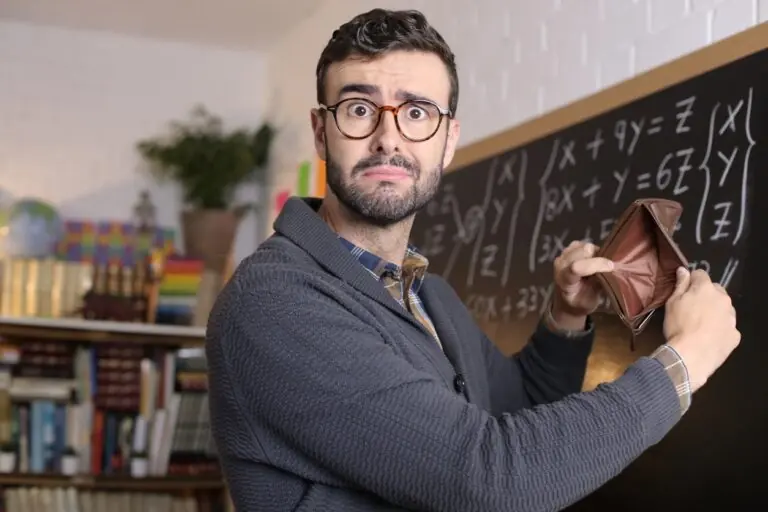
pixel 366 89
pixel 372 90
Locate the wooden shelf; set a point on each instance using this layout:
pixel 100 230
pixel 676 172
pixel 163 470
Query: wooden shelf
pixel 96 331
pixel 115 483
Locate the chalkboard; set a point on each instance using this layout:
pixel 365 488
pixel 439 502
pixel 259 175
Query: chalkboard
pixel 694 131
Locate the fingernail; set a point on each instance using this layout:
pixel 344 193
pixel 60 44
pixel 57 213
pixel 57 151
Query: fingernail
pixel 681 271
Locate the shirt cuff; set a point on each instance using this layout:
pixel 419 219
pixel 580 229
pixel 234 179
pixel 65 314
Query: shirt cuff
pixel 675 367
pixel 551 326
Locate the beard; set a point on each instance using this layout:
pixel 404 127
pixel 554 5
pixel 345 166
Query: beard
pixel 383 206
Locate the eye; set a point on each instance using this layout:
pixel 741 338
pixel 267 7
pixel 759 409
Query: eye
pixel 359 109
pixel 419 112
pixel 415 113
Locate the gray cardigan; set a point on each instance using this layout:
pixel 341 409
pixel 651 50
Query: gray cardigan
pixel 326 395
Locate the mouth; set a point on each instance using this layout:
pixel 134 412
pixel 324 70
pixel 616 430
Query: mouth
pixel 387 173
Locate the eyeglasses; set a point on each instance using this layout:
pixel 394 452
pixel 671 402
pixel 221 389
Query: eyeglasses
pixel 416 120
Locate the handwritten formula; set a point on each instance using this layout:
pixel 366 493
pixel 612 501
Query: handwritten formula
pixel 497 225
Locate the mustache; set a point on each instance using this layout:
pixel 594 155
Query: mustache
pixel 377 160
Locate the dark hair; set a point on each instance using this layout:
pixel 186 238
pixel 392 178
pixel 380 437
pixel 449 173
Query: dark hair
pixel 379 31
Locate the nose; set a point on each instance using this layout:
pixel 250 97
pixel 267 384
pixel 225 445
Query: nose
pixel 386 139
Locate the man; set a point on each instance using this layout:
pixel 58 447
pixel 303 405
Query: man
pixel 344 377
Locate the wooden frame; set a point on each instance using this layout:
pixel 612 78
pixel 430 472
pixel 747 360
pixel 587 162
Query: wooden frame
pixel 671 73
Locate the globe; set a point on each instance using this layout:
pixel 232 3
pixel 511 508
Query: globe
pixel 30 228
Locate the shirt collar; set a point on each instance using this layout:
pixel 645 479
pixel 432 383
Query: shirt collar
pixel 413 263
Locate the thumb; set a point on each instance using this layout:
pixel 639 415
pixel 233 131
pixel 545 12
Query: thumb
pixel 683 282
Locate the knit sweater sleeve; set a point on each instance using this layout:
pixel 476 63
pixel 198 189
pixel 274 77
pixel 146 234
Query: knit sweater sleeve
pixel 549 368
pixel 313 373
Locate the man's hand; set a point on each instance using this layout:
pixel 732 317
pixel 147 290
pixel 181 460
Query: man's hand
pixel 574 296
pixel 700 324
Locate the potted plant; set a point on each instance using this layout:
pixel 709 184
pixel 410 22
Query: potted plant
pixel 69 461
pixel 139 464
pixel 209 163
pixel 8 451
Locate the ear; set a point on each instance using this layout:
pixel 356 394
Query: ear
pixel 318 131
pixel 454 130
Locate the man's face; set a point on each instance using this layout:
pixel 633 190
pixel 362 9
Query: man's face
pixel 385 178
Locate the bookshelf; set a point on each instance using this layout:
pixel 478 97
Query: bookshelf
pixel 161 415
pixel 114 483
pixel 101 331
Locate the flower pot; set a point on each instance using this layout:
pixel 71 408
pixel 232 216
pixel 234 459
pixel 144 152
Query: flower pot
pixel 139 466
pixel 69 464
pixel 209 235
pixel 7 462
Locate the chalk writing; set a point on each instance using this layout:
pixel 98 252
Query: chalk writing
pixel 498 243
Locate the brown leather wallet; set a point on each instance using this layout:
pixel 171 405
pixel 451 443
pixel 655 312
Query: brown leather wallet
pixel 646 258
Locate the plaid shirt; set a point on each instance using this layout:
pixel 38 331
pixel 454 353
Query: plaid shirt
pixel 402 282
pixel 409 277
pixel 675 368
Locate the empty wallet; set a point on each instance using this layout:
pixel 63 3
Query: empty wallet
pixel 646 261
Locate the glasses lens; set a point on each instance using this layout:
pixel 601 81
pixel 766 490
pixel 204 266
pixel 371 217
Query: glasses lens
pixel 418 120
pixel 357 117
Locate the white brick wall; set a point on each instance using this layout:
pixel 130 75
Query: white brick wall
pixel 516 58
pixel 72 105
